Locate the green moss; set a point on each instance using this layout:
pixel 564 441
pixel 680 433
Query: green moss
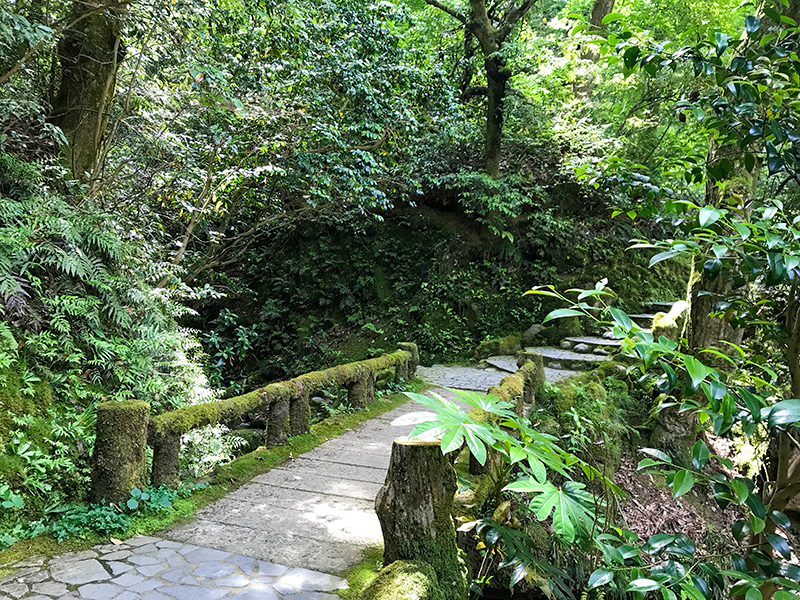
pixel 119 462
pixel 364 573
pixel 666 325
pixel 505 346
pixel 15 403
pixel 406 580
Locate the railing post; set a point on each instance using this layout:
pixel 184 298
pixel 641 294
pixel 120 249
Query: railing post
pixel 278 422
pixel 361 391
pixel 119 462
pixel 414 362
pixel 300 411
pixel 166 459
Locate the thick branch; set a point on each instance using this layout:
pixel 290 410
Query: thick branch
pixel 511 18
pixel 450 11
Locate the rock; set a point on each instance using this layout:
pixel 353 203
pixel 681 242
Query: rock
pixel 601 351
pixel 582 348
pixel 531 335
pixel 608 335
pixel 319 400
pixel 506 346
pixel 565 345
pixel 482 365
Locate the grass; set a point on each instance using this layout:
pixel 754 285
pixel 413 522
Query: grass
pixel 227 478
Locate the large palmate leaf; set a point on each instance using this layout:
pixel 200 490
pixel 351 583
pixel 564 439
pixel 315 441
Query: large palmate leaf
pixel 572 507
pixel 455 427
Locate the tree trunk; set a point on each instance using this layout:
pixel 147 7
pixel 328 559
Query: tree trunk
pixel 600 9
pixel 414 508
pixel 90 54
pixel 497 79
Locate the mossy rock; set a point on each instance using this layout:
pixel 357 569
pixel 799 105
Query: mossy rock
pixel 560 329
pixel 505 346
pixel 405 580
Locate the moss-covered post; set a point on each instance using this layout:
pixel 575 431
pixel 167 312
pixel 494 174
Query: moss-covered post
pixel 414 362
pixel 415 511
pixel 361 389
pixel 166 459
pixel 300 411
pixel 278 422
pixel 119 462
pixel 401 371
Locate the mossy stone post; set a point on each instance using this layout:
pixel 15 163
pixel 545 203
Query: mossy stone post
pixel 361 390
pixel 166 459
pixel 534 374
pixel 300 411
pixel 119 463
pixel 414 362
pixel 401 371
pixel 415 511
pixel 278 422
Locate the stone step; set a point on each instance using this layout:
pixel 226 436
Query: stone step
pixel 556 358
pixel 508 364
pixel 593 341
pixel 661 306
pixel 643 318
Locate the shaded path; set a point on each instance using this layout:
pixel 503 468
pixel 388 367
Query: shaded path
pixel 316 511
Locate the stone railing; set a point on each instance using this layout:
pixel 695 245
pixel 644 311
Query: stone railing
pixel 119 450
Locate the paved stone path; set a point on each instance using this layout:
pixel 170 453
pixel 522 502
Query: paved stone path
pixel 317 511
pixel 257 543
pixel 462 378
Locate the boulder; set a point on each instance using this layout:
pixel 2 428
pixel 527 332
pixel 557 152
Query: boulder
pixel 600 351
pixel 565 345
pixel 582 348
pixel 506 346
pixel 531 337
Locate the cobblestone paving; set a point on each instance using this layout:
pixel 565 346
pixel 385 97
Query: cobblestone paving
pixel 149 568
pixel 462 378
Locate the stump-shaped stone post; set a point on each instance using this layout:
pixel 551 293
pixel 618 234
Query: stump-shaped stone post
pixel 278 423
pixel 414 508
pixel 166 459
pixel 401 371
pixel 300 413
pixel 119 462
pixel 361 391
pixel 414 362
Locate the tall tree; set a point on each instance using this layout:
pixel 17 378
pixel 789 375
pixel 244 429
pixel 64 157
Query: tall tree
pixel 90 52
pixel 491 26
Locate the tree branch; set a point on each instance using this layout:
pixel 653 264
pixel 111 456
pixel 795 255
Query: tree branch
pixel 450 11
pixel 510 19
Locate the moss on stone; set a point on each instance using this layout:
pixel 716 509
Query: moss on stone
pixel 405 580
pixel 119 463
pixel 505 346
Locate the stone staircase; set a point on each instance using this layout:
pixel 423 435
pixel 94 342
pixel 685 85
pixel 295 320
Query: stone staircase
pixel 583 353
